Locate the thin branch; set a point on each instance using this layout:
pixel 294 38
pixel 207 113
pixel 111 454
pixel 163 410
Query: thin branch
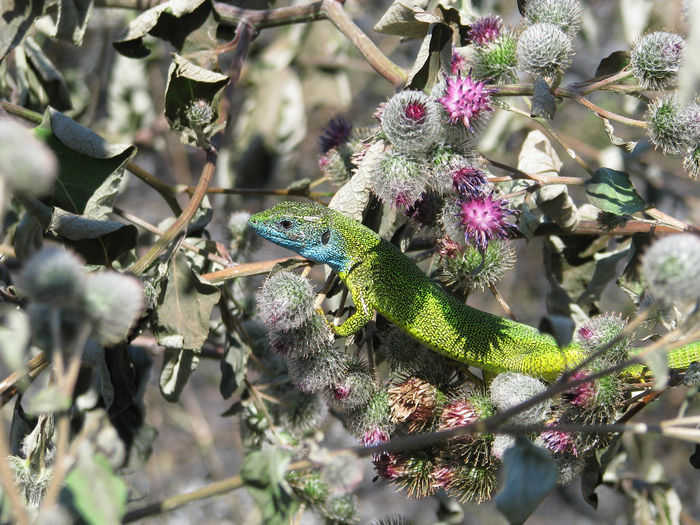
pixel 184 244
pixel 331 10
pixel 303 192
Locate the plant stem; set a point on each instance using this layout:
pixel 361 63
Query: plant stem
pixel 261 191
pixel 248 269
pixel 331 10
pixel 213 489
pixel 184 244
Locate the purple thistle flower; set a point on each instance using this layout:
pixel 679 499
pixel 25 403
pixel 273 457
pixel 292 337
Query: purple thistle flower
pixel 341 392
pixel 415 111
pixel 580 395
pixel 558 441
pixel 485 29
pixel 424 210
pixel 458 62
pixel 464 99
pixel 484 218
pixel 468 180
pixel 373 437
pixel 457 414
pixel 337 132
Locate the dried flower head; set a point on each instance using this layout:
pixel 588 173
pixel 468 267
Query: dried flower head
pixel 655 59
pixel 485 29
pixel 565 14
pixel 544 50
pixel 413 400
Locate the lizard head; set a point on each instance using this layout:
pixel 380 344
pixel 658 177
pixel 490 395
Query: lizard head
pixel 309 229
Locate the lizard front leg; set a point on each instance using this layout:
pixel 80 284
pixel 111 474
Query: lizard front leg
pixel 363 311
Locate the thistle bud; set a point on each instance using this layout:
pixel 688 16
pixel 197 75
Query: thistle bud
pixel 672 128
pixel 55 277
pixel 655 59
pixel 27 164
pixel 485 29
pixel 410 121
pixel 312 337
pixel 113 302
pixel 671 268
pixel 199 114
pixel 316 372
pixel 286 301
pixel 496 60
pixel 510 389
pixel 567 15
pixel 398 180
pixel 341 509
pixel 464 270
pixel 598 331
pixel 544 50
pixel 352 391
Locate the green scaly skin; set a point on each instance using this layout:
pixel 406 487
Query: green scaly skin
pixel 380 277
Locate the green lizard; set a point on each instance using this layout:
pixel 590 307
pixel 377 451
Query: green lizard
pixel 380 277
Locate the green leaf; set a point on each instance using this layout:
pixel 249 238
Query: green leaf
pixel 178 366
pixel 264 476
pixel 612 191
pixel 531 474
pixel 189 84
pixel 86 163
pixel 184 307
pixel 612 63
pixel 172 21
pixel 17 17
pixel 233 365
pixel 73 17
pixel 95 491
pixel 434 52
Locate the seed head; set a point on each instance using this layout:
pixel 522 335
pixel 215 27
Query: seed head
pixel 341 509
pixel 312 337
pixel 413 400
pixel 398 180
pixel 544 50
pixel 655 59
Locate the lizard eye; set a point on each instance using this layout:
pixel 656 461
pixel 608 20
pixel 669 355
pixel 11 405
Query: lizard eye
pixel 325 237
pixel 286 224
